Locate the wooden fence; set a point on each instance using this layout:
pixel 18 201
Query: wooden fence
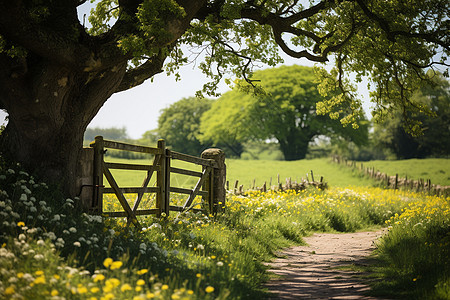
pixel 210 185
pixel 395 182
pixel 290 185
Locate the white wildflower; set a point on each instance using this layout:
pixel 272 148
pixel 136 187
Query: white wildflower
pixel 77 244
pixel 23 197
pixel 39 257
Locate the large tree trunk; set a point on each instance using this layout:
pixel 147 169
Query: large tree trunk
pixel 57 76
pixel 49 108
pixel 295 145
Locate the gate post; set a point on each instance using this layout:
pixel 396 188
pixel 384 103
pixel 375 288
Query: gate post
pixel 162 201
pixel 86 179
pixel 97 198
pixel 219 178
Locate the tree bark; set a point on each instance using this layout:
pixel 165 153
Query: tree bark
pixel 295 145
pixel 49 108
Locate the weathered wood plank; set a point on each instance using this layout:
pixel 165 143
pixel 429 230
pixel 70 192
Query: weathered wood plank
pixel 187 191
pixel 120 196
pixel 129 147
pixel 185 172
pixel 144 186
pixel 136 167
pixel 193 159
pixel 123 214
pixel 130 190
pixel 197 188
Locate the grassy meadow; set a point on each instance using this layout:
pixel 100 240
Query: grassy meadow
pixel 435 169
pixel 49 250
pixel 260 171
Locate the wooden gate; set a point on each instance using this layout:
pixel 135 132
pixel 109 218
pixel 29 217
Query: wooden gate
pixel 207 186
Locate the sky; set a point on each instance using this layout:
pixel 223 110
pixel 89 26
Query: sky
pixel 138 109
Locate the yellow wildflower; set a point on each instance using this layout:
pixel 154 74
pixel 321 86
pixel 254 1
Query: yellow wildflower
pixel 107 262
pixel 209 289
pixel 9 290
pixel 140 282
pixel 99 277
pixel 116 265
pixel 141 272
pixel 39 280
pixel 125 287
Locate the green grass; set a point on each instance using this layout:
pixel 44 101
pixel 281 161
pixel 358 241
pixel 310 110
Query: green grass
pixel 263 170
pixel 259 170
pixel 436 169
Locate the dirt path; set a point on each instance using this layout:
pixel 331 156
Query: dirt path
pixel 309 272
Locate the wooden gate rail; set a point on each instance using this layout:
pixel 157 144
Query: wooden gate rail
pixel 209 186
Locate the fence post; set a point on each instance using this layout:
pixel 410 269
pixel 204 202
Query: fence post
pixel 219 178
pixel 161 177
pixel 86 179
pixel 97 198
pixel 396 182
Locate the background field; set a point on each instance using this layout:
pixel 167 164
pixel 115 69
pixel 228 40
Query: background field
pixel 438 170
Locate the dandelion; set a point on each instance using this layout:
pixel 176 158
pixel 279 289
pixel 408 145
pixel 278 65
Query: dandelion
pixel 116 265
pixel 165 287
pixel 95 290
pixel 107 262
pixel 9 290
pixel 140 282
pixel 114 282
pixel 54 293
pixel 98 277
pixel 39 280
pixel 125 287
pixel 21 224
pixel 209 289
pixel 142 271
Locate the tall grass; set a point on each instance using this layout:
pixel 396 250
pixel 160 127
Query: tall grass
pixel 415 253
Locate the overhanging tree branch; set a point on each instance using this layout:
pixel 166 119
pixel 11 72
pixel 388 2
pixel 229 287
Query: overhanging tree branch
pixel 136 76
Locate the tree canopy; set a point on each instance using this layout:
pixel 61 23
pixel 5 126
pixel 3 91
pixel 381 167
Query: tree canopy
pixel 55 74
pixel 435 140
pixel 286 112
pixel 179 125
